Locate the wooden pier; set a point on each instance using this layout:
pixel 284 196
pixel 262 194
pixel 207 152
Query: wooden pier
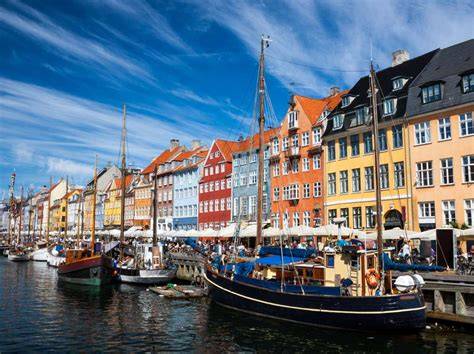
pixel 449 297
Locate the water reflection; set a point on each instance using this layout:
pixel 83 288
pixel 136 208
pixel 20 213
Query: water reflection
pixel 38 313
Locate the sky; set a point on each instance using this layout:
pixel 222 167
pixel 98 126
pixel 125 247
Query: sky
pixel 185 69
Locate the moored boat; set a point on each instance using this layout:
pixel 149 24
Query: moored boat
pixel 18 255
pixel 146 276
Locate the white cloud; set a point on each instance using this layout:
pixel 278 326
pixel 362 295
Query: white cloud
pixel 187 94
pixel 65 167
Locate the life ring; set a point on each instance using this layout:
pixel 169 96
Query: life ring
pixel 372 277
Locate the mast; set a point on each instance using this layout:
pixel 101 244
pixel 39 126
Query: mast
pixel 155 193
pixel 67 205
pixel 78 231
pixel 21 215
pixel 378 194
pixel 123 170
pixel 12 203
pixel 94 197
pixel 49 209
pixel 264 42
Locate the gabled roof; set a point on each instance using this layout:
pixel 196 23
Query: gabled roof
pixel 314 107
pixel 164 157
pixel 251 143
pixel 117 182
pixel 227 147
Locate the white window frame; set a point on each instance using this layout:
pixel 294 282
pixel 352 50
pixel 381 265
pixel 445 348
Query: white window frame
pixel 422 133
pixel 446 171
pixel 444 129
pixel 424 174
pixel 449 211
pixel 466 124
pixel 305 139
pixel 467 168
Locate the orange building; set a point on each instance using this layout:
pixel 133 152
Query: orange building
pixel 296 162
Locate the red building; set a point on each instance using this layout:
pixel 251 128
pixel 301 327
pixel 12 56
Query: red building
pixel 215 186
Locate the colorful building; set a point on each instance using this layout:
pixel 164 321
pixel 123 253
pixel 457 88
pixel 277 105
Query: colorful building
pixel 215 186
pixel 349 185
pixel 74 209
pixel 296 165
pixel 112 204
pixel 440 114
pixel 245 178
pixel 185 188
pixel 142 202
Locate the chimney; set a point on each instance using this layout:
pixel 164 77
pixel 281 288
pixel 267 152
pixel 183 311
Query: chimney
pixel 400 56
pixel 174 143
pixel 195 143
pixel 334 91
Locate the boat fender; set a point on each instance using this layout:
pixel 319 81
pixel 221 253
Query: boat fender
pixel 372 277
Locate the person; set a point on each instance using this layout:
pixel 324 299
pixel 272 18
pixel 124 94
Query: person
pixel 400 243
pixel 405 251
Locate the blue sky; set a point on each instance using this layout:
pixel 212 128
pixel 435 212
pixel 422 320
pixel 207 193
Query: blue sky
pixel 185 69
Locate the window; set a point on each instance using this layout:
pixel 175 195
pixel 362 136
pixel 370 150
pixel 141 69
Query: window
pixel 217 185
pixel 431 93
pixel 466 124
pixel 346 100
pixel 294 140
pixel 345 215
pixel 276 170
pixel 426 212
pixel 305 139
pixel 384 176
pixel 285 144
pixel 292 120
pixel 229 183
pixel 294 191
pixel 222 185
pixel 316 162
pixel 331 150
pixel 468 83
pixel 369 178
pixel 275 146
pixel 449 211
pixel 316 136
pixel 382 139
pixel 295 166
pixel 342 148
pixel 399 174
pixel 343 181
pixel 356 218
pixel 286 217
pixel 305 164
pixel 296 219
pixel 369 217
pixel 253 204
pixel 332 214
pixel 253 177
pixel 368 146
pixel 356 180
pixel 338 121
pixel 361 115
pixel 397 136
pixel 444 128
pixel 468 169
pixel 285 167
pixel 306 190
pixel 424 174
pixel 389 106
pixel 469 212
pixel 276 193
pixel 228 202
pixel 243 180
pixel 355 145
pixel 317 189
pixel 331 183
pixel 397 84
pixel 422 133
pixel 222 168
pixel 306 218
pixel 447 171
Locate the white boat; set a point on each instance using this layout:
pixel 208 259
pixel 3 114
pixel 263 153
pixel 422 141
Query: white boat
pixel 54 257
pixel 146 276
pixel 40 255
pixel 18 256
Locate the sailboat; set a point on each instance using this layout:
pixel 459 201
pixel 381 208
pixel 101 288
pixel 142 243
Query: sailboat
pixel 294 285
pixel 147 266
pixel 18 253
pixel 88 266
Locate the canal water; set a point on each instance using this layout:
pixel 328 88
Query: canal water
pixel 38 314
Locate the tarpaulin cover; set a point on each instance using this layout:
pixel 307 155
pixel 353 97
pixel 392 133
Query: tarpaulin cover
pixel 294 289
pixel 402 267
pixel 277 260
pixel 243 268
pixel 288 252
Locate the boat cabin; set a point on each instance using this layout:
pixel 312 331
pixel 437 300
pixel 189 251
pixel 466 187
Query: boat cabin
pixel 73 255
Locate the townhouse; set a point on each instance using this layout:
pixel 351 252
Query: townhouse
pixel 440 112
pixel 74 209
pixel 349 157
pixel 112 205
pixel 296 165
pixel 215 186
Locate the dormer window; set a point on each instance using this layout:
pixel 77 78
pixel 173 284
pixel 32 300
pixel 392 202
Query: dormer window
pixel 324 115
pixel 346 100
pixel 292 119
pixel 398 83
pixel 338 121
pixel 389 106
pixel 361 115
pixel 468 83
pixel 431 93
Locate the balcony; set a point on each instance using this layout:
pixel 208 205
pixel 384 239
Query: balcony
pixel 315 149
pixel 293 152
pixel 275 158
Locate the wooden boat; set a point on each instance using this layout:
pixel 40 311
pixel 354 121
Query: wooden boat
pixel 84 268
pixel 18 255
pixel 41 253
pixel 146 276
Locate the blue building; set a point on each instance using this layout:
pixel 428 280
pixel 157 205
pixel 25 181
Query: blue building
pixel 185 189
pixel 245 179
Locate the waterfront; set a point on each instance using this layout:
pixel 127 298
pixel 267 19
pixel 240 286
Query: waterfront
pixel 38 314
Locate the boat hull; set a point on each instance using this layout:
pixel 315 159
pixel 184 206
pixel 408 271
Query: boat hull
pixel 368 313
pixel 92 271
pixel 40 255
pixel 18 257
pixel 146 277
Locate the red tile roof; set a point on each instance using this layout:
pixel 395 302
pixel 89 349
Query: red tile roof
pixel 313 107
pixel 162 158
pixel 252 141
pixel 118 182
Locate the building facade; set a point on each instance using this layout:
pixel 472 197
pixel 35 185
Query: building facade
pixel 296 163
pixel 112 203
pixel 349 149
pixel 440 114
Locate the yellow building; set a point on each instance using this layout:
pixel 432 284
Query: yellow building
pixel 349 174
pixel 112 205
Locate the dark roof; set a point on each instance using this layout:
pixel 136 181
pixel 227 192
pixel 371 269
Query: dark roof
pixel 408 69
pixel 447 67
